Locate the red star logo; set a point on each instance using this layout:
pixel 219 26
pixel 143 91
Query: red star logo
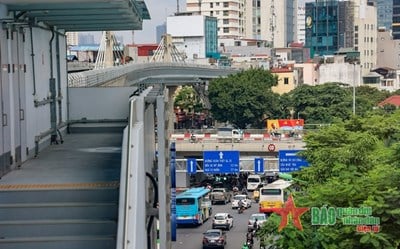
pixel 290 209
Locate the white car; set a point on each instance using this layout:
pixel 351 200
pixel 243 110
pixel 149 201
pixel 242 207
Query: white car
pixel 223 221
pixel 261 218
pixel 237 198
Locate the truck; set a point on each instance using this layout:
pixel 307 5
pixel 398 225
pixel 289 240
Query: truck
pixel 220 195
pixel 229 135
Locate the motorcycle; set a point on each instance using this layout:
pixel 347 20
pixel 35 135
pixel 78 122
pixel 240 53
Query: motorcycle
pixel 241 209
pixel 249 244
pixel 193 139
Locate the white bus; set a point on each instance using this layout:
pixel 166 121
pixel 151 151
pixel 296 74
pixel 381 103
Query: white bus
pixel 253 181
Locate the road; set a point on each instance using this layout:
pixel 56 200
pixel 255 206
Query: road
pixel 191 237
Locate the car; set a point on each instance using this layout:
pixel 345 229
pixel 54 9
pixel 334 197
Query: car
pixel 237 198
pixel 261 218
pixel 223 221
pixel 214 238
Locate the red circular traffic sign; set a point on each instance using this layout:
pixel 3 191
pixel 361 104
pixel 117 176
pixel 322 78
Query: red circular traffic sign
pixel 271 147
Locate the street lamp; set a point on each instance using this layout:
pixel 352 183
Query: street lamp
pixel 354 85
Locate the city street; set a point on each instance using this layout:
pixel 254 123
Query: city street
pixel 191 237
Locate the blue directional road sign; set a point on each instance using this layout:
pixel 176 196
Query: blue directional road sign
pixel 191 165
pixel 289 161
pixel 216 162
pixel 258 165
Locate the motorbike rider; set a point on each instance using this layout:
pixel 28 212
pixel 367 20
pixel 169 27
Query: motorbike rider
pixel 241 205
pixel 192 138
pixel 250 238
pixel 244 191
pixel 255 225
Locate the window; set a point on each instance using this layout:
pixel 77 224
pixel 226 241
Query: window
pixel 217 3
pixel 286 80
pixel 356 28
pixel 226 13
pixel 226 30
pixel 211 13
pixel 211 5
pixel 225 21
pixel 226 4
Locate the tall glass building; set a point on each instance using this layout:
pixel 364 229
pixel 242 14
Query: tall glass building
pixel 385 13
pixel 396 20
pixel 329 26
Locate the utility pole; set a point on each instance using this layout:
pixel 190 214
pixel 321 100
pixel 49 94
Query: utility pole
pixel 177 6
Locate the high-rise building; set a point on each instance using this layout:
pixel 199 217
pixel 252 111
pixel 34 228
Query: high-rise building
pixel 229 14
pixel 301 23
pixel 271 20
pixel 160 31
pixel 329 26
pixel 334 24
pixel 396 20
pixel 366 33
pixel 86 39
pixel 72 38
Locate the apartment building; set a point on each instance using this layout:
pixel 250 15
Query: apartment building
pixel 366 34
pixel 270 20
pixel 230 15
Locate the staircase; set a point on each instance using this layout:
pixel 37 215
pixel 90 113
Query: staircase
pixel 59 216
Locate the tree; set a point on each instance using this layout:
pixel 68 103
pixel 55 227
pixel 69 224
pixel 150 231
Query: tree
pixel 351 165
pixel 244 98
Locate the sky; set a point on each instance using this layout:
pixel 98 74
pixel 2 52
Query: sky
pixel 159 10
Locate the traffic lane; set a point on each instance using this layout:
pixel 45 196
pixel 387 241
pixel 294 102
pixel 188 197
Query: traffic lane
pixel 191 237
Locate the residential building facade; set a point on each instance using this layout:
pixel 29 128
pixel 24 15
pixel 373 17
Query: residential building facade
pixel 365 34
pixel 229 14
pixel 271 20
pixel 388 51
pixel 72 38
pixel 301 24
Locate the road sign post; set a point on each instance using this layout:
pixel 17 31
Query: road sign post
pixel 289 161
pixel 217 162
pixel 259 165
pixel 191 165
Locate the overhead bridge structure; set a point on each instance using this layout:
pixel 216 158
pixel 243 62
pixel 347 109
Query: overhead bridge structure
pixel 170 74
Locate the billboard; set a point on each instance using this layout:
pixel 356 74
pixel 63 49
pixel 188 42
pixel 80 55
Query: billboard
pixel 285 124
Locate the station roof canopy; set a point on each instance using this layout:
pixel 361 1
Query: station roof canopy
pixel 82 15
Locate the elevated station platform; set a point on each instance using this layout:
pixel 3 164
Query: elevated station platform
pixel 82 159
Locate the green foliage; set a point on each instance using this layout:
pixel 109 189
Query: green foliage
pixel 245 98
pixel 351 165
pixel 187 99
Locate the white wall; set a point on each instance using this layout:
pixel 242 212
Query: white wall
pixel 340 72
pixel 25 75
pixel 98 103
pixel 182 26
